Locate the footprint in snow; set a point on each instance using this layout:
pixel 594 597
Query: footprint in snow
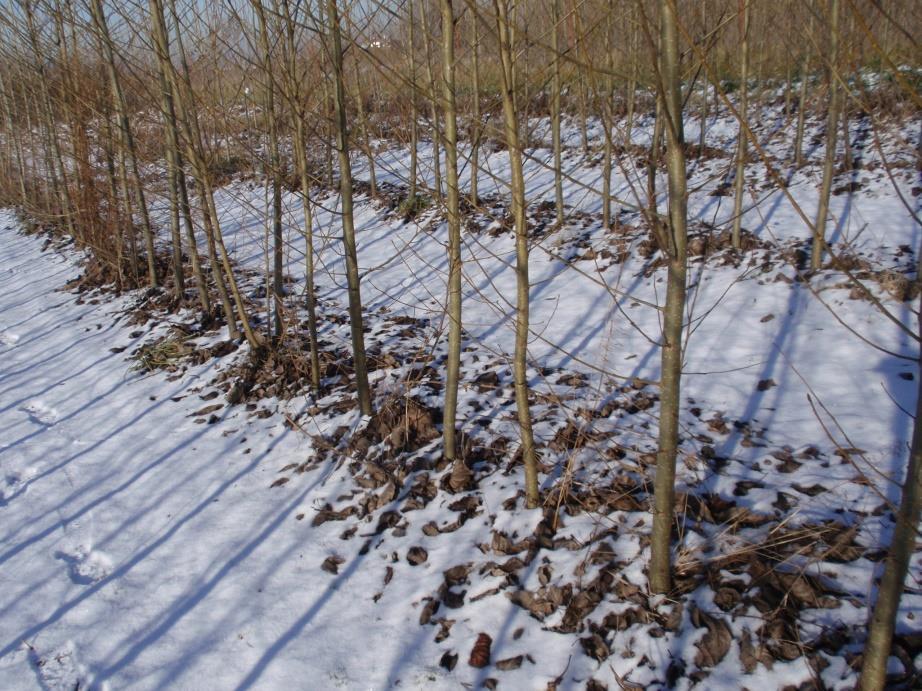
pixel 14 484
pixel 41 413
pixel 59 669
pixel 8 339
pixel 85 566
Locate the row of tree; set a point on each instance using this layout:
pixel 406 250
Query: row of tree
pixel 105 108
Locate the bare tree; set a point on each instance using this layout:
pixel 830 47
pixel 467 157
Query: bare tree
pixel 673 243
pixel 556 88
pixel 832 126
pixel 414 109
pixel 434 107
pixel 476 116
pixel 505 33
pixel 335 48
pixel 896 565
pixel 15 142
pixel 275 165
pixel 168 115
pixel 802 99
pixel 195 151
pixel 55 166
pixel 460 474
pixel 293 93
pixel 740 178
pixel 121 111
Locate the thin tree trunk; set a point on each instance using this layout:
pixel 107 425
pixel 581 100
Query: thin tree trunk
pixel 802 97
pixel 275 172
pixel 414 109
pixel 169 117
pixel 896 565
pixel 788 90
pixel 801 115
pixel 740 179
pixel 225 282
pixel 179 282
pixel 50 197
pixel 653 161
pixel 453 365
pixel 632 85
pixel 849 161
pixel 832 127
pixel 555 114
pixel 345 178
pixel 56 162
pixel 208 201
pixel 520 365
pixel 477 130
pixel 113 215
pixel 364 130
pixel 310 290
pixel 329 131
pixel 608 122
pixel 133 259
pixel 298 114
pixel 179 194
pixel 121 112
pixel 582 95
pixel 216 271
pixel 185 211
pixel 702 130
pixel 436 124
pixel 21 105
pixel 17 143
pixel 671 362
pixel 80 217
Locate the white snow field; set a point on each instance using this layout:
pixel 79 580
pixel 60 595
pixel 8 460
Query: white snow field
pixel 142 547
pixel 142 550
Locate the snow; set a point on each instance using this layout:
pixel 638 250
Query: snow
pixel 142 547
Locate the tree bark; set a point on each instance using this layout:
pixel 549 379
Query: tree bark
pixel 477 130
pixel 608 122
pixel 17 143
pixel 653 163
pixel 168 114
pixel 671 360
pixel 740 178
pixel 414 109
pixel 298 115
pixel 275 172
pixel 56 167
pixel 345 177
pixel 179 194
pixel 121 112
pixel 520 364
pixel 555 114
pixel 882 623
pixel 434 109
pixel 832 127
pixel 453 365
pixel 364 130
pixel 195 151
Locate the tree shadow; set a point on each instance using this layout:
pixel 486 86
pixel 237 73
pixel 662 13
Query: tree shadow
pixel 62 610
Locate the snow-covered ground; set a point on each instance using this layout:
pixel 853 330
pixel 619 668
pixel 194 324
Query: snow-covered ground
pixel 141 545
pixel 140 549
pixel 597 315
